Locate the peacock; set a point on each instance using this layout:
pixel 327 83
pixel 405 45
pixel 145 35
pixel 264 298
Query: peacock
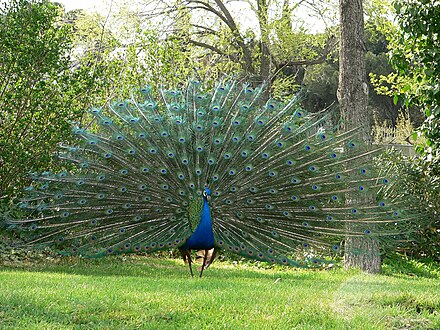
pixel 206 169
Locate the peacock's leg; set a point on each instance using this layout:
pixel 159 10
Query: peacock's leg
pixel 213 255
pixel 189 263
pixel 186 256
pixel 204 262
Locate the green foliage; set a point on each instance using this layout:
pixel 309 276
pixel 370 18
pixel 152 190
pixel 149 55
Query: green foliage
pixel 398 264
pixel 383 133
pixel 321 81
pixel 378 30
pixel 53 69
pixel 416 57
pixel 130 292
pixel 39 93
pixel 288 44
pixel 321 84
pixel 274 49
pixel 411 180
pixel 123 52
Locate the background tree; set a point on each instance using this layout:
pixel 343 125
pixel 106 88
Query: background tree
pixel 416 57
pixel 123 52
pixel 353 102
pixel 56 65
pixel 39 92
pixel 273 49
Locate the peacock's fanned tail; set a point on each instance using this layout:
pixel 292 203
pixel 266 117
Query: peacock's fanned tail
pixel 286 185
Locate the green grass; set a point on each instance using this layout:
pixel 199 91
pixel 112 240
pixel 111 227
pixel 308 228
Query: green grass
pixel 137 292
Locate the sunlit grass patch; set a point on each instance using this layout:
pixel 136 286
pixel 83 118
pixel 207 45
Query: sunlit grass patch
pixel 138 292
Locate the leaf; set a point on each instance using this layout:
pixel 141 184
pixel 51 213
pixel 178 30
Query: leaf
pixel 406 88
pixel 414 136
pixel 395 99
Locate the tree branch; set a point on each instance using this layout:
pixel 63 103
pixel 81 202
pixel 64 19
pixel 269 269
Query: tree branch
pixel 205 45
pixel 329 47
pixel 234 29
pixel 208 7
pixel 207 29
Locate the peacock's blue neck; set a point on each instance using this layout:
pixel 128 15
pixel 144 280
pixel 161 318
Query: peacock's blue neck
pixel 202 238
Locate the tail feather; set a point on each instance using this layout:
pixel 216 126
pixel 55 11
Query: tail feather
pixel 286 185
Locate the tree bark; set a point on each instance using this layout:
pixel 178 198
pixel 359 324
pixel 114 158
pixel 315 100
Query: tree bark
pixel 352 95
pixel 262 12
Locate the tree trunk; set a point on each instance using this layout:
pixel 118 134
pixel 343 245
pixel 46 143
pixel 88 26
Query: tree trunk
pixel 360 253
pixel 262 12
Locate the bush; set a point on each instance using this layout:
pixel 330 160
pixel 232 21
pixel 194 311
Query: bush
pixel 422 191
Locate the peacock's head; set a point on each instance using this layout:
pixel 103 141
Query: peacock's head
pixel 207 193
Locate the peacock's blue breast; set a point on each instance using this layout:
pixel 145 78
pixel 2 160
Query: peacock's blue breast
pixel 203 237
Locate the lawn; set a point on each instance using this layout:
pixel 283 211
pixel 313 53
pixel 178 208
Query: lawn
pixel 138 292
